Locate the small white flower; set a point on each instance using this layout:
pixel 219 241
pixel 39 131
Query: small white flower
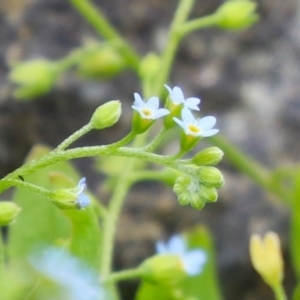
pixel 192 260
pixel 83 199
pixel 177 98
pixel 201 127
pixel 75 279
pixel 149 110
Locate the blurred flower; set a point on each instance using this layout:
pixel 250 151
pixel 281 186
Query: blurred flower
pixel 83 199
pixel 76 280
pixel 266 257
pixel 177 98
pixel 192 260
pixel 148 110
pixel 34 78
pixel 198 128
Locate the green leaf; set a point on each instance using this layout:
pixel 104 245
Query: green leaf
pixel 202 286
pixel 42 224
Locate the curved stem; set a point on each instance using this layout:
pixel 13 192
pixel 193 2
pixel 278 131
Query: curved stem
pixel 197 24
pixel 97 19
pixel 123 275
pixel 153 145
pixel 75 136
pixel 279 293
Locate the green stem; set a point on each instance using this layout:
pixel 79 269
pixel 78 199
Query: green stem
pixel 110 222
pixel 197 24
pixel 153 145
pixel 174 38
pixel 2 257
pixel 123 275
pixel 97 19
pixel 75 136
pixel 279 293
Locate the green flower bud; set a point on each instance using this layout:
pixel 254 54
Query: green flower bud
pixel 208 193
pixel 71 198
pixel 165 269
pixel 210 176
pixel 188 191
pixel 149 67
pixel 106 115
pixel 236 14
pixel 103 62
pixel 35 78
pixel 8 212
pixel 208 157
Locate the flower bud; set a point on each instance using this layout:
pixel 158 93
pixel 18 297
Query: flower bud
pixel 8 212
pixel 236 14
pixel 149 66
pixel 266 258
pixel 106 115
pixel 208 157
pixel 210 176
pixel 71 198
pixel 208 193
pixel 35 78
pixel 104 63
pixel 165 269
pixel 188 191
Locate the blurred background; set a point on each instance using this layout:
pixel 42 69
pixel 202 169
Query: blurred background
pixel 249 80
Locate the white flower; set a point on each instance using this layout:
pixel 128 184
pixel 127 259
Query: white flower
pixel 83 199
pixel 148 110
pixel 201 127
pixel 177 98
pixel 192 260
pixel 75 279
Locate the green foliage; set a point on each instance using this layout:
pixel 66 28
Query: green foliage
pixel 42 224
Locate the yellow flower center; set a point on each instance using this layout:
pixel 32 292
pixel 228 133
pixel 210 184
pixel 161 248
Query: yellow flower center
pixel 147 112
pixel 194 129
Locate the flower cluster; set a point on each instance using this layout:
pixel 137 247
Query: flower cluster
pixel 176 105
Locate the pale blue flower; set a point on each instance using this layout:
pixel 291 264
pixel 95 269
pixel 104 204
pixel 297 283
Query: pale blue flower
pixel 193 260
pixel 83 199
pixel 76 280
pixel 177 97
pixel 149 110
pixel 196 127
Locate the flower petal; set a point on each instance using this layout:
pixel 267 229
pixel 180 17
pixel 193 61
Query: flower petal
pixel 194 261
pixel 160 113
pixel 187 116
pixel 83 201
pixel 207 122
pixel 177 245
pixel 180 123
pixel 153 103
pixel 192 103
pixel 209 132
pixel 138 101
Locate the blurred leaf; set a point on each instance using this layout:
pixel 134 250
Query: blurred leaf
pixel 296 295
pixel 42 224
pixel 295 224
pixel 203 286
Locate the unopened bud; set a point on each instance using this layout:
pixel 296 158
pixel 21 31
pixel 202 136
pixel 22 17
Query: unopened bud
pixel 236 14
pixel 8 212
pixel 208 157
pixel 106 115
pixel 165 269
pixel 210 176
pixel 34 78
